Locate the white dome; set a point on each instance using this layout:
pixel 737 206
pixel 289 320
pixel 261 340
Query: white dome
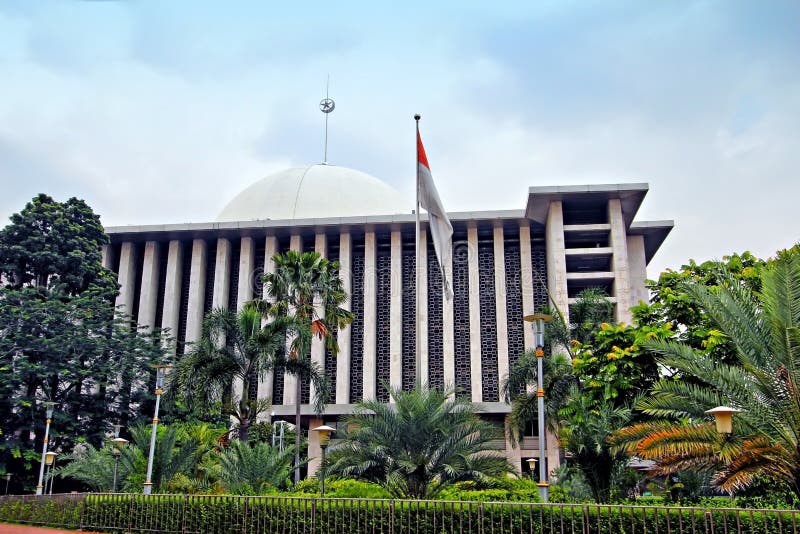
pixel 316 191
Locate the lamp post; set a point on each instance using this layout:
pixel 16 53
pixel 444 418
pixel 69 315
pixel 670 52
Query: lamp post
pixel 324 438
pixel 119 443
pixel 161 372
pixel 723 417
pixel 280 437
pixel 49 413
pixel 49 459
pixel 538 321
pixel 532 467
pixel 8 479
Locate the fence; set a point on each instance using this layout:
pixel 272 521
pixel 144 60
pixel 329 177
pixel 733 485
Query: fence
pixel 201 514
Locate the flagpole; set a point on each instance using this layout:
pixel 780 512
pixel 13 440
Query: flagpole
pixel 418 268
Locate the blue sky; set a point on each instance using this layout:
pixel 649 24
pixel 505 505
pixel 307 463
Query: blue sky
pixel 158 111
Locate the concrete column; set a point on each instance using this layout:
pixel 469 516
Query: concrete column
pixel 126 279
pixel 556 259
pixel 270 249
pixel 370 316
pixel 396 312
pixel 637 265
pixel 476 368
pixel 170 318
pixel 148 294
pixel 107 257
pixel 422 308
pixel 448 332
pixel 247 266
pixel 619 261
pixel 500 306
pixel 343 359
pixel 318 345
pixel 527 282
pixel 314 449
pixel 289 381
pixel 244 293
pixel 222 275
pixel 513 453
pixel 197 291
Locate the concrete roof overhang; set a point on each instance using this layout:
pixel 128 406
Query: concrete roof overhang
pixel 654 232
pixel 631 196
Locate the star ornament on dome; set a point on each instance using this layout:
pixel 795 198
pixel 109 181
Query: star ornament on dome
pixel 327 105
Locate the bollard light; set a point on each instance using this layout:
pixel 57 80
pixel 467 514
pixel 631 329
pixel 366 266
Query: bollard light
pixel 723 416
pixel 324 432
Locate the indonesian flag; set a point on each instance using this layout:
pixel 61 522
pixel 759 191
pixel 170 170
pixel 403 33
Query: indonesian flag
pixel 441 229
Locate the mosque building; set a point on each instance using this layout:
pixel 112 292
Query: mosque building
pixel 505 263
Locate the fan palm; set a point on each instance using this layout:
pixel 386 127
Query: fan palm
pixel 232 346
pixel 763 381
pixel 427 440
pixel 306 288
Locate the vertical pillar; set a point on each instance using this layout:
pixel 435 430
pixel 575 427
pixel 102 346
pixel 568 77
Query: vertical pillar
pixel 637 265
pixel 270 249
pixel 619 261
pixel 527 282
pixel 126 279
pixel 222 275
pixel 422 307
pixel 172 290
pixel 290 381
pixel 107 257
pixel 318 345
pixel 314 449
pixel 476 371
pixel 500 305
pixel 148 294
pixel 247 266
pixel 448 332
pixel 556 259
pixel 396 312
pixel 370 316
pixel 513 452
pixel 343 360
pixel 197 291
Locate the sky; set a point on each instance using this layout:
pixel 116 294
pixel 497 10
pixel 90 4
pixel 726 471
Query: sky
pixel 161 112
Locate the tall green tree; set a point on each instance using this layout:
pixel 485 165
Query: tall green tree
pixel 760 378
pixel 234 347
pixel 60 338
pixel 306 288
pixel 422 443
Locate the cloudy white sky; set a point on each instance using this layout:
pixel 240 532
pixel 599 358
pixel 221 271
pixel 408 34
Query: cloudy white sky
pixel 156 111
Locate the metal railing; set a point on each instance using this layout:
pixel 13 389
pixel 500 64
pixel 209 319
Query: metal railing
pixel 206 514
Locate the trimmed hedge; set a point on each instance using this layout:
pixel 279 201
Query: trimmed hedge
pixel 223 514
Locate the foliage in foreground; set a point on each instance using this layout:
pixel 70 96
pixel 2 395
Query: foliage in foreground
pixel 762 379
pixel 422 443
pixel 213 515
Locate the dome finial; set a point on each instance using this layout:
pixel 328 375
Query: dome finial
pixel 326 105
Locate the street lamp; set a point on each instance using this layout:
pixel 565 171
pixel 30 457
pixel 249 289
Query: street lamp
pixel 8 479
pixel 161 372
pixel 324 438
pixel 49 458
pixel 532 467
pixel 538 321
pixel 49 413
pixel 119 443
pixel 723 416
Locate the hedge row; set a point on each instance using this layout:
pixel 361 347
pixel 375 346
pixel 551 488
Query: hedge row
pixel 223 514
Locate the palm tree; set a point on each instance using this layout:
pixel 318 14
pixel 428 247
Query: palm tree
pixel 245 468
pixel 306 288
pixel 232 346
pixel 763 381
pixel 427 440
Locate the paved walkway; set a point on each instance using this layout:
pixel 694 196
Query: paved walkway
pixel 23 529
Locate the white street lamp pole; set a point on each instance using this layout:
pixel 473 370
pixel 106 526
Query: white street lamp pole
pixel 160 372
pixel 49 406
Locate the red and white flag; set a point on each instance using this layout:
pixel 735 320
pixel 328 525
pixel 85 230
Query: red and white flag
pixel 441 229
